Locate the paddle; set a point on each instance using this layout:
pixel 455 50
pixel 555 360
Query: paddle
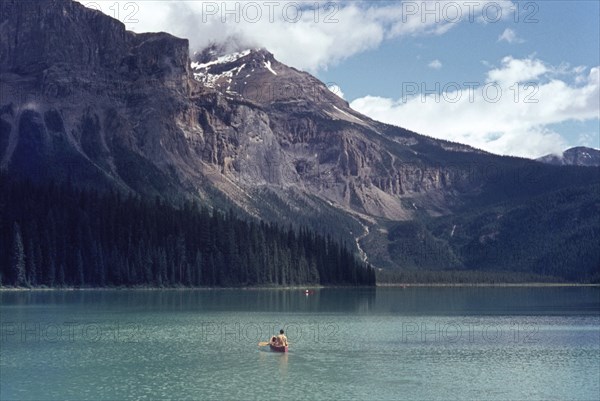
pixel 265 343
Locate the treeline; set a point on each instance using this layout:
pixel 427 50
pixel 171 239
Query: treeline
pixel 412 276
pixel 59 235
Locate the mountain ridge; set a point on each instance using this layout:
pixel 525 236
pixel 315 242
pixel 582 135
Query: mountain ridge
pixel 575 156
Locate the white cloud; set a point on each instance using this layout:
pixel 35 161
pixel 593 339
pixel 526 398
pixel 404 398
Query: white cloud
pixel 435 64
pixel 517 70
pixel 320 37
pixel 510 36
pixel 498 115
pixel 336 89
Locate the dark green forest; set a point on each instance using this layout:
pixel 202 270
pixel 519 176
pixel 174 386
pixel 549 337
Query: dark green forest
pixel 58 235
pixel 553 237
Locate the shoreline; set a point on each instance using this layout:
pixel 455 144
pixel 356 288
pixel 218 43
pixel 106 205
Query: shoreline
pixel 310 288
pixel 539 284
pixel 295 288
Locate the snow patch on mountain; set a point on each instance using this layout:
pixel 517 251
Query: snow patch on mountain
pixel 348 114
pixel 203 72
pixel 268 66
pixel 228 58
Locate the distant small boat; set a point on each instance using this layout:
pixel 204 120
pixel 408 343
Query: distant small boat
pixel 308 292
pixel 276 348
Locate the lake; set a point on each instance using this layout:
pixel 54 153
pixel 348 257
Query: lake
pixel 416 343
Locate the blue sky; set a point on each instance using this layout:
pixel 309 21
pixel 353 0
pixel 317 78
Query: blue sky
pixel 567 31
pixel 379 52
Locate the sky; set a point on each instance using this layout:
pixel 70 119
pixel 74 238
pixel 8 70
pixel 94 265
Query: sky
pixel 512 78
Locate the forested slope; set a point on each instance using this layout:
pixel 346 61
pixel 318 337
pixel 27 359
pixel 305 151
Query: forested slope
pixel 57 235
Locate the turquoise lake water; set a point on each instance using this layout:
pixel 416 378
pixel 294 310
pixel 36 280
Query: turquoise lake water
pixel 387 343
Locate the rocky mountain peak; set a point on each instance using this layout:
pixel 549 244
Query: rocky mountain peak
pixel 256 75
pixel 221 52
pixel 576 156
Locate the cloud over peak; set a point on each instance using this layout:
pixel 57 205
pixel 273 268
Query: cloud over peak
pixel 305 35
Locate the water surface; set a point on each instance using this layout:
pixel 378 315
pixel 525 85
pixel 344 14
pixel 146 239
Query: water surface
pixel 387 343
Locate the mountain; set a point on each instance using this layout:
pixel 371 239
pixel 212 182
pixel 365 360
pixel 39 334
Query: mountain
pixel 577 156
pixel 86 101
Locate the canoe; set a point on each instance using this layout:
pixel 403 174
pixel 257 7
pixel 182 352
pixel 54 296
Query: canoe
pixel 276 348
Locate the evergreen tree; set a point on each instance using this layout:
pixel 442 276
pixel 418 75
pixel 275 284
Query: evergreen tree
pixel 51 276
pixel 18 258
pixel 38 277
pixel 162 267
pixel 198 269
pixel 79 269
pixel 61 275
pixel 30 264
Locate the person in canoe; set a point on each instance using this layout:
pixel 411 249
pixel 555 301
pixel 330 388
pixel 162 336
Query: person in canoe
pixel 282 339
pixel 279 341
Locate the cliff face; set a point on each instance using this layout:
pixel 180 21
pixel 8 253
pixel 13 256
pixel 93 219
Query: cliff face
pixel 84 99
pixel 312 141
pixel 38 35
